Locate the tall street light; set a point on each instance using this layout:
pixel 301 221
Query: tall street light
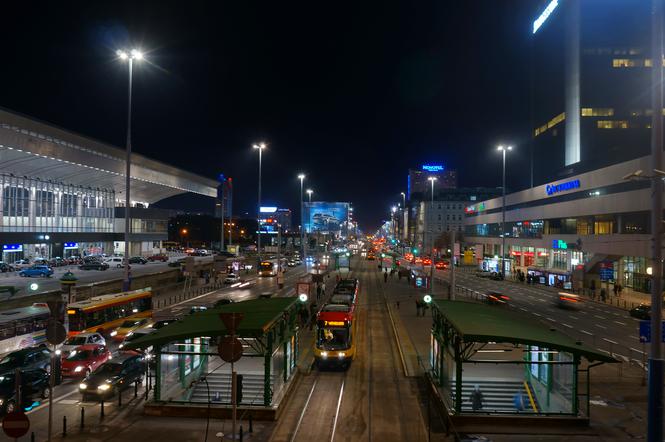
pixel 393 209
pixel 431 268
pixel 431 180
pixel 309 194
pixel 260 147
pixel 301 177
pixel 128 56
pixel 503 150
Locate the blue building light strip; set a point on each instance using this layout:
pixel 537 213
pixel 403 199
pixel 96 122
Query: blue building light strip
pixel 551 189
pixel 545 15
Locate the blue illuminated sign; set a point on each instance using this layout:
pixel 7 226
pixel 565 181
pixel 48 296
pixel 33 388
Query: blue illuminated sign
pixel 559 244
pixel 545 15
pixel 433 167
pixel 12 247
pixel 556 188
pixel 71 245
pixel 268 209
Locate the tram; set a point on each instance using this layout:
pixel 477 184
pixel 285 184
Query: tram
pixel 335 340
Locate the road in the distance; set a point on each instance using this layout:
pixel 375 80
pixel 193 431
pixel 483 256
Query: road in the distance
pixel 602 326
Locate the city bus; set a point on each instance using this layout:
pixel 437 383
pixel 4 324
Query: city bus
pixel 23 327
pixel 102 314
pixel 335 339
pixel 270 267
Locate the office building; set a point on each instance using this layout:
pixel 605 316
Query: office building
pixel 418 185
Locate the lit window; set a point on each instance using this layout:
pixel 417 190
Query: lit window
pixel 623 63
pixel 612 124
pixel 550 124
pixel 597 112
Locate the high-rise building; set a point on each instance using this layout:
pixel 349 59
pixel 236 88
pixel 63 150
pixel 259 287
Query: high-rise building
pixel 418 185
pixel 591 86
pixel 284 219
pixel 224 197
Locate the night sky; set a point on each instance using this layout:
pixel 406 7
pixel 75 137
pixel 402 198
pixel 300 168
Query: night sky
pixel 351 93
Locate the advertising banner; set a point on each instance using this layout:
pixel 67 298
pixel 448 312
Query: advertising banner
pixel 326 217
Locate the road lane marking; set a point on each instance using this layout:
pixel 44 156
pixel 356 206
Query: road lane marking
pixel 584 313
pixel 620 323
pixel 537 314
pixel 610 341
pixel 46 402
pixel 584 331
pixel 550 319
pixel 339 403
pixel 566 325
pixel 541 300
pixel 599 317
pixel 523 309
pixel 600 326
pixel 639 351
pixel 634 337
pixel 573 317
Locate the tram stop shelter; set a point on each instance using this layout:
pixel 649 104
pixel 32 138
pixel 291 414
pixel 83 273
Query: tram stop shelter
pixel 191 379
pixel 521 368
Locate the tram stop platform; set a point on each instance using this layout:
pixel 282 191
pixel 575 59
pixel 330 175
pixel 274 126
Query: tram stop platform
pixel 491 366
pixel 192 381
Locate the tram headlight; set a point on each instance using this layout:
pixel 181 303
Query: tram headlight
pixel 324 354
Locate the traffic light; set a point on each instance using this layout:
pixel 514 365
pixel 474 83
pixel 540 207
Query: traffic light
pixel 238 389
pixel 415 250
pixel 427 299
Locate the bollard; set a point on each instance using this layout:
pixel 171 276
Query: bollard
pixel 32 437
pixel 101 412
pixel 64 426
pixel 82 417
pixel 251 429
pixel 240 433
pixel 136 388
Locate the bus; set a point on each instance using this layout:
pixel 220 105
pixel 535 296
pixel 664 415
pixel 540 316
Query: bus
pixel 104 313
pixel 270 267
pixel 335 339
pixel 23 327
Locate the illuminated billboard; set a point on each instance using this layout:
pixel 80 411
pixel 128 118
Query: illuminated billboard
pixel 326 217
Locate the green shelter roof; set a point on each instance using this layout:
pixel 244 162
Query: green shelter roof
pixel 259 316
pixel 484 323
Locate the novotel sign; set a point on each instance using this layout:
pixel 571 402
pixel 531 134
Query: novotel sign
pixel 551 189
pixel 433 167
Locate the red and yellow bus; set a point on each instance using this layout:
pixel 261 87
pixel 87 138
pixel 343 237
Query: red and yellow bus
pixel 104 313
pixel 335 340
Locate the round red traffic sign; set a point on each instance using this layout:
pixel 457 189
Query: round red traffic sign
pixel 230 349
pixel 16 424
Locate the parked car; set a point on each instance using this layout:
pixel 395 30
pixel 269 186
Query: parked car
pixel 291 263
pixel 113 376
pixel 231 278
pixel 34 385
pixel 57 262
pixel 177 262
pixel 138 260
pixel 158 257
pixel 38 270
pixel 197 309
pixel 642 311
pixel 223 301
pixel 81 339
pixel 115 261
pixel 4 267
pixel 94 265
pixel 22 264
pixel 30 358
pixel 441 265
pixel 84 360
pixel 127 327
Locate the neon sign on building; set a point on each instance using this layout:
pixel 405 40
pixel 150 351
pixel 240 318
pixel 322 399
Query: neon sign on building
pixel 433 167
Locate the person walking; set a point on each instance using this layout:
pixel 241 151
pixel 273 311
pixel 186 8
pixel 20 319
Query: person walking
pixel 318 291
pixel 323 288
pixel 476 399
pixel 385 276
pixel 417 307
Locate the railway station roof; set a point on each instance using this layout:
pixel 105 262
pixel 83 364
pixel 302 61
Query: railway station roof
pixel 260 315
pixel 35 149
pixel 476 322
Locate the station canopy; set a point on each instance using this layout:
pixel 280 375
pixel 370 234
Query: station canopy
pixel 475 322
pixel 260 315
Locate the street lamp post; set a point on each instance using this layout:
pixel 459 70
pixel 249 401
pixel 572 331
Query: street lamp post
pixel 429 226
pixel 128 56
pixel 309 194
pixel 503 150
pixel 301 177
pixel 260 147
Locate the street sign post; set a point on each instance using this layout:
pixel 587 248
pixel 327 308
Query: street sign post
pixel 16 424
pixel 645 332
pixel 230 350
pixel 55 332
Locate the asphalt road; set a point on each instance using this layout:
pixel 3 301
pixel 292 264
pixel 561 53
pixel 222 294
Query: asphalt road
pixel 67 400
pixel 607 328
pixel 372 400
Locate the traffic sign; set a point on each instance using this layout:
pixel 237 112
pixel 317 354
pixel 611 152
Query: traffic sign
pixel 645 332
pixel 15 424
pixel 230 349
pixel 55 332
pixel 231 321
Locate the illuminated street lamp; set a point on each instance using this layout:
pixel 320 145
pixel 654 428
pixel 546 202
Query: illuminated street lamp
pixel 503 150
pixel 260 147
pixel 309 194
pixel 128 56
pixel 301 177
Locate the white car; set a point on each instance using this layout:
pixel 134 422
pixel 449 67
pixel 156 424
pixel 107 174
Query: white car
pixel 115 261
pixel 231 278
pixel 22 264
pixel 81 339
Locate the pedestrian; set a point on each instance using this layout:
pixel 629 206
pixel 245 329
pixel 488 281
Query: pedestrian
pixel 620 289
pixel 323 288
pixel 615 289
pixel 518 400
pixel 603 294
pixel 385 277
pixel 207 278
pixel 318 291
pixel 476 399
pixel 399 275
pixel 417 307
pixel 397 304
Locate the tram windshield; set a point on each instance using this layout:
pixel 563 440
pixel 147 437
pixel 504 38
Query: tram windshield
pixel 333 338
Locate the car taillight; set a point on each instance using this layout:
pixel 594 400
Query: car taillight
pixel 504 297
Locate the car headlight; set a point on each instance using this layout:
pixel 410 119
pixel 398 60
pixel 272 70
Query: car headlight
pixel 324 354
pixel 83 386
pixel 114 332
pixel 130 333
pixel 121 345
pixel 58 352
pixel 341 354
pixel 2 401
pixel 72 353
pixel 104 387
pixel 78 369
